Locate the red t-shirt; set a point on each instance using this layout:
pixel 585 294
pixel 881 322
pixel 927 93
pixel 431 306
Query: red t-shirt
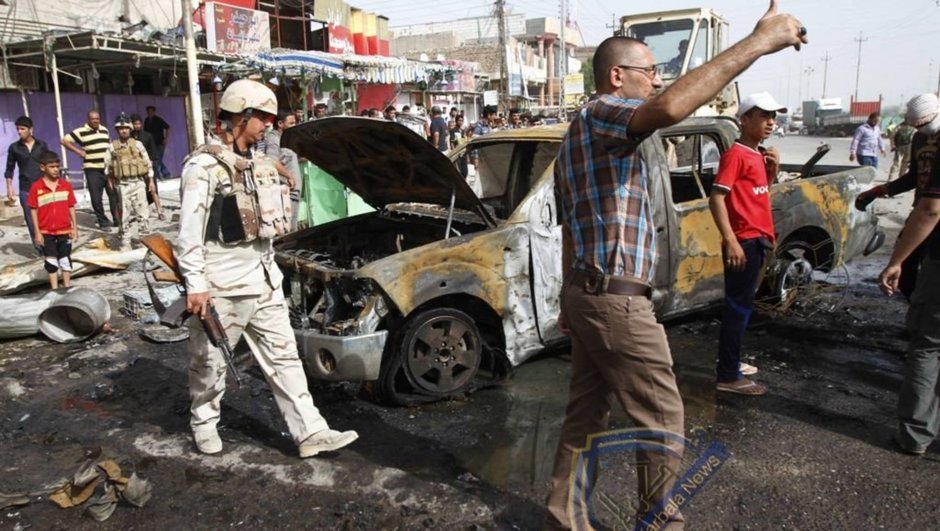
pixel 53 206
pixel 743 175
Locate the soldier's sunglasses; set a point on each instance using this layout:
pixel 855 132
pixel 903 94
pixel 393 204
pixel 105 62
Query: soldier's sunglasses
pixel 266 118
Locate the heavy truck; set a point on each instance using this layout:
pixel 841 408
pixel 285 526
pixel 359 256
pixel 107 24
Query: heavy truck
pixel 826 117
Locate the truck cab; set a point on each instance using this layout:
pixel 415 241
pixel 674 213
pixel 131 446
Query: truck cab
pixel 683 40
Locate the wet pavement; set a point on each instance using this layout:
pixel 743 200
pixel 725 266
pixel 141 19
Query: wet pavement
pixel 814 453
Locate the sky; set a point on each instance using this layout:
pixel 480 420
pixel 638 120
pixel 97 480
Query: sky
pixel 899 58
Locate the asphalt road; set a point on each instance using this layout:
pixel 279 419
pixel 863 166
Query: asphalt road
pixel 812 454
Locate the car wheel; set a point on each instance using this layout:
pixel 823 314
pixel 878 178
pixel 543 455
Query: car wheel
pixel 794 271
pixel 438 353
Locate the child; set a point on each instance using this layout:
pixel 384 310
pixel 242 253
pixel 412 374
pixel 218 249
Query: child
pixel 52 206
pixel 740 205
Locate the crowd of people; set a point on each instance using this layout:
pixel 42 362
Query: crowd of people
pixel 124 168
pixel 620 353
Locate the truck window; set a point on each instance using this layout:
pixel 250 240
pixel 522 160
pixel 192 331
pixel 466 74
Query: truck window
pixel 668 40
pixel 699 52
pixel 693 164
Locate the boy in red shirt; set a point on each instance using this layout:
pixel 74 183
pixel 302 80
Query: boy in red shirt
pixel 740 204
pixel 51 203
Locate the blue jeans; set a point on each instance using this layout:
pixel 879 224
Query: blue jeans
pixel 29 221
pixel 160 170
pixel 868 160
pixel 740 288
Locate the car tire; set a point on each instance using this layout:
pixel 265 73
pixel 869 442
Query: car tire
pixel 435 354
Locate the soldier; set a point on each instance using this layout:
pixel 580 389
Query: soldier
pixel 232 208
pixel 130 172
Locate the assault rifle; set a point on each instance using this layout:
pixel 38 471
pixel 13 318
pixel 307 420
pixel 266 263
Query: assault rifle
pixel 174 315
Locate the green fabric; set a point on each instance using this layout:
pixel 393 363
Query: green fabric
pixel 325 199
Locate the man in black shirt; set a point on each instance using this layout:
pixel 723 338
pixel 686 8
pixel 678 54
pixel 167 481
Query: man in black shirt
pixel 160 131
pixel 24 154
pixel 146 139
pixel 918 405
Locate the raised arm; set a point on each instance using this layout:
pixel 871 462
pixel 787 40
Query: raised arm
pixel 773 33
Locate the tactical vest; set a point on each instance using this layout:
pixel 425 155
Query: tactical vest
pixel 127 161
pixel 249 201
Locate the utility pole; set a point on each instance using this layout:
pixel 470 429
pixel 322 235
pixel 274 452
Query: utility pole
pixel 563 64
pixel 613 24
pixel 858 66
pixel 825 60
pixel 192 72
pixel 503 60
pixel 809 78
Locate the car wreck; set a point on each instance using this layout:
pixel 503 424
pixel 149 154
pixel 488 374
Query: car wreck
pixel 458 270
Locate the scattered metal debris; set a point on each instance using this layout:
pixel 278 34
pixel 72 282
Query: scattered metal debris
pixel 104 481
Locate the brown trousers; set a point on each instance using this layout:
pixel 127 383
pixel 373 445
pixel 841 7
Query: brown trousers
pixel 618 352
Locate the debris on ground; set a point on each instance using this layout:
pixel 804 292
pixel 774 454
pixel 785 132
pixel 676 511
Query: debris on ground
pixel 102 486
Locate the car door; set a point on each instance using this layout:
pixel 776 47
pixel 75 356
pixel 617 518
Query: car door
pixel 695 261
pixel 539 210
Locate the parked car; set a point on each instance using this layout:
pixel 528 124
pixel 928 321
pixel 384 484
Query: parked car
pixel 453 274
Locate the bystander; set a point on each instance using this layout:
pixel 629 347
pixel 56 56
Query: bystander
pixel 51 202
pixel 24 155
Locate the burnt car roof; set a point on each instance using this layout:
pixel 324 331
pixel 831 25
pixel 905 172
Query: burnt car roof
pixel 384 162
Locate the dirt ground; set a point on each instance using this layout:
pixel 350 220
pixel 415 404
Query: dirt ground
pixel 814 453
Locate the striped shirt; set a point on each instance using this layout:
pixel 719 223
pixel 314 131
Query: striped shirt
pixel 602 182
pixel 94 142
pixel 52 205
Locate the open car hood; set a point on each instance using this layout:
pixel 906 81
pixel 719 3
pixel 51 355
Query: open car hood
pixel 384 162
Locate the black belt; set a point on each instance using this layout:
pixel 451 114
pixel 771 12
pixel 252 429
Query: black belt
pixel 599 283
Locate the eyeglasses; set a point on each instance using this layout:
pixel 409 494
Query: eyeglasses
pixel 651 71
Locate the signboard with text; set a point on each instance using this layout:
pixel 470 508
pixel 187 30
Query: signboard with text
pixel 232 29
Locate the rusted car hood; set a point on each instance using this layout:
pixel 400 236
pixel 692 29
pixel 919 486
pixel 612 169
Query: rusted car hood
pixel 384 162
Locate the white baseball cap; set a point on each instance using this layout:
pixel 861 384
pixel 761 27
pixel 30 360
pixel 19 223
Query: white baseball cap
pixel 761 100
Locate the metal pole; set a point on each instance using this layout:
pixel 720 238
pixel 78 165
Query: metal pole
pixel 858 65
pixel 192 72
pixel 58 116
pixel 563 63
pixel 825 72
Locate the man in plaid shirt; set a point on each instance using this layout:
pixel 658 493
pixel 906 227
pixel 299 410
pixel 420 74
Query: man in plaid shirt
pixel 619 351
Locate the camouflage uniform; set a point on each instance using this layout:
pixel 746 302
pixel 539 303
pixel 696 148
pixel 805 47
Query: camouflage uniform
pixel 131 179
pixel 245 285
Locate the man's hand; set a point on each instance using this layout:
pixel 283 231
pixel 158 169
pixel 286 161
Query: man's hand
pixel 889 279
pixel 74 234
pixel 883 154
pixel 10 191
pixel 150 187
pixel 779 31
pixel 772 163
pixel 38 240
pixel 734 255
pixel 851 157
pixel 865 198
pixel 198 303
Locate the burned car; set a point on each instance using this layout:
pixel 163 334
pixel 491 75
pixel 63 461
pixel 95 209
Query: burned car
pixel 459 268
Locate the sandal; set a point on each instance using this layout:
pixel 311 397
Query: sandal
pixel 162 217
pixel 747 369
pixel 742 387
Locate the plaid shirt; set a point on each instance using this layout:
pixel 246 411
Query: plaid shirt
pixel 603 187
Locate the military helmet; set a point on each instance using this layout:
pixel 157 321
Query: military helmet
pixel 246 94
pixel 122 121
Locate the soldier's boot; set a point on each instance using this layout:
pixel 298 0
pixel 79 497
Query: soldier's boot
pixel 208 441
pixel 326 441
